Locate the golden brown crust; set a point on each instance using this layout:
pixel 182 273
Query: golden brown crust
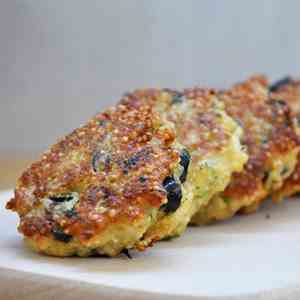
pixel 291 185
pixel 268 133
pixel 289 91
pixel 116 163
pixel 206 123
pixel 200 119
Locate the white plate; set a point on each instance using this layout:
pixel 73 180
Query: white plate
pixel 239 259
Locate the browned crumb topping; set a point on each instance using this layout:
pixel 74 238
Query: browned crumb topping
pixel 290 93
pixel 268 131
pixel 116 163
pixel 199 125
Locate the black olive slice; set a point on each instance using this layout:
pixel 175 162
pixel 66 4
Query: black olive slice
pixel 61 198
pixel 280 83
pixel 126 253
pixel 184 162
pixel 61 236
pixel 177 98
pixel 174 194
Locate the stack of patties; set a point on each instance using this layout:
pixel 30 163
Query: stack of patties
pixel 160 159
pixel 272 144
pixel 132 175
pixel 288 90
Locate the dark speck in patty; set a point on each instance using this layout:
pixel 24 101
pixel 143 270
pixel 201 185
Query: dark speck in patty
pixel 174 194
pixel 280 83
pixel 61 236
pixel 61 198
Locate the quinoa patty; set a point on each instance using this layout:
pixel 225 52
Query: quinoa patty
pixel 272 144
pixel 288 90
pixel 100 188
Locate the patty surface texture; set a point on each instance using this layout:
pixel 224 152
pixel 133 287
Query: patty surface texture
pixel 272 144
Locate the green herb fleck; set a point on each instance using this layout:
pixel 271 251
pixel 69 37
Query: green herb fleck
pixel 284 171
pixel 227 200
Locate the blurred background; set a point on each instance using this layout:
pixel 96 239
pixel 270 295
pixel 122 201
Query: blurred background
pixel 61 61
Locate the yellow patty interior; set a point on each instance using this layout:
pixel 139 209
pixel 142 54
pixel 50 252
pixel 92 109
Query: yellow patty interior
pixel 221 207
pixel 207 175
